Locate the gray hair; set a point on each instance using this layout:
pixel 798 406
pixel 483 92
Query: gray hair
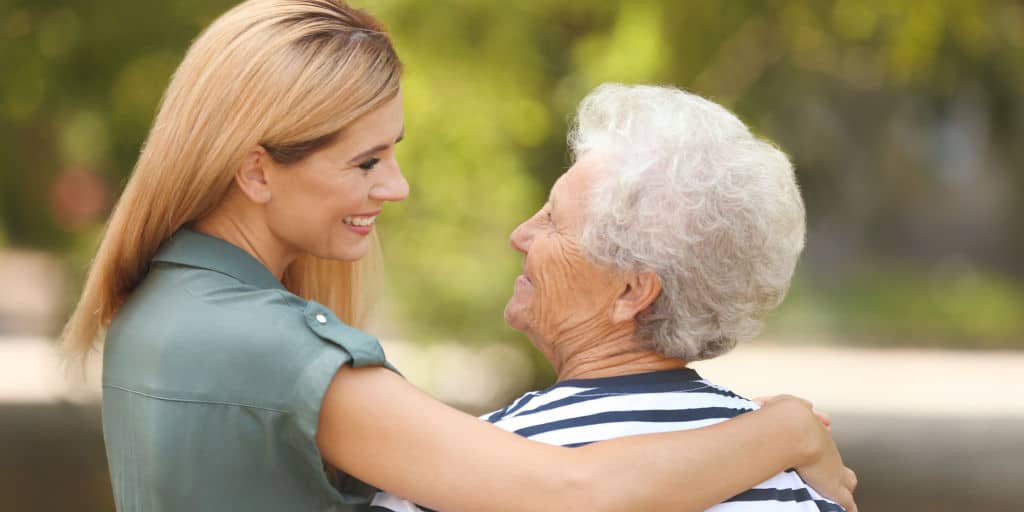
pixel 685 190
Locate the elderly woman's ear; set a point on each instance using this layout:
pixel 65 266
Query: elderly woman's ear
pixel 640 290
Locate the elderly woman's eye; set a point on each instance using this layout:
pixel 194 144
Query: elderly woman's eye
pixel 369 164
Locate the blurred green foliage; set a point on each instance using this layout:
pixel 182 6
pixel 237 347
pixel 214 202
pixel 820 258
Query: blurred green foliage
pixel 903 119
pixel 904 307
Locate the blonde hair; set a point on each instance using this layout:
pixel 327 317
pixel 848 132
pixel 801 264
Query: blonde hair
pixel 285 74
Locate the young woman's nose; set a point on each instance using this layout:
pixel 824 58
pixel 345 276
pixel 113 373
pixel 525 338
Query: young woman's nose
pixel 392 186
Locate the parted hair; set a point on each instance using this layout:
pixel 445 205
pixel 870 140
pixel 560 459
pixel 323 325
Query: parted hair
pixel 288 75
pixel 687 191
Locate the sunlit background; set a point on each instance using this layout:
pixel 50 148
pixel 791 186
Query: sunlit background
pixel 904 119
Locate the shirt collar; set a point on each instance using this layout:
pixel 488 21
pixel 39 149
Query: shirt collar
pixel 649 378
pixel 194 249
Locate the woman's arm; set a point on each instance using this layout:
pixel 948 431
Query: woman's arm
pixel 379 428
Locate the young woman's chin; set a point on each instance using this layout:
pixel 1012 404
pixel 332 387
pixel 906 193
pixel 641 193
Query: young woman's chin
pixel 342 244
pixel 348 250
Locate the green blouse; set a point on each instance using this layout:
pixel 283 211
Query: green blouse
pixel 213 378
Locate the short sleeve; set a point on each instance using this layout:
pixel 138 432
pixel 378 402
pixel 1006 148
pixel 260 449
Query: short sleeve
pixel 365 350
pixel 339 345
pixel 310 389
pixel 308 396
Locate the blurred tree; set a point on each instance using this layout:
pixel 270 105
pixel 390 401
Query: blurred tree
pixel 903 119
pixel 80 88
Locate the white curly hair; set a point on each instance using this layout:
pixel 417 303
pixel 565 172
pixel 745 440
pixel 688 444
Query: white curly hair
pixel 685 190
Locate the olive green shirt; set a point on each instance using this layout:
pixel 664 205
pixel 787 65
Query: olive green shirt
pixel 212 383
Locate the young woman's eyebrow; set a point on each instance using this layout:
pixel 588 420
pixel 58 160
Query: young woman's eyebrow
pixel 379 147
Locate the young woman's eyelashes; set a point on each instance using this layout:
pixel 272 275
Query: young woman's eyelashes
pixel 369 164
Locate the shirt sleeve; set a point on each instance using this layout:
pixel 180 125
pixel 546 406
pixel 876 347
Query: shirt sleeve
pixel 338 345
pixel 363 349
pixel 334 345
pixel 310 389
pixel 309 392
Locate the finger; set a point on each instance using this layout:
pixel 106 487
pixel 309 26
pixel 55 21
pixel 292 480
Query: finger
pixel 803 400
pixel 851 480
pixel 778 398
pixel 824 418
pixel 761 400
pixel 846 501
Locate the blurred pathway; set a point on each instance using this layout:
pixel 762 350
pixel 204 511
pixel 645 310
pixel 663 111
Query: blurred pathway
pixel 31 372
pixel 878 381
pixel 839 380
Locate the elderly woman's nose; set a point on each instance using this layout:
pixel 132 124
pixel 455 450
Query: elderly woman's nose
pixel 520 237
pixel 392 187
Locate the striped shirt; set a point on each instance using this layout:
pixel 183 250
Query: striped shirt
pixel 579 412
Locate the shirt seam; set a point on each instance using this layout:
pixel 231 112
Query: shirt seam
pixel 191 401
pixel 282 298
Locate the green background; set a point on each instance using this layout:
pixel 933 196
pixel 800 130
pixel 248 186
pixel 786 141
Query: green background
pixel 904 120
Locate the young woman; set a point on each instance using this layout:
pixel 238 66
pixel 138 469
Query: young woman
pixel 229 275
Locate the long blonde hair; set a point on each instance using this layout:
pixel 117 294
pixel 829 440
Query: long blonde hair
pixel 286 74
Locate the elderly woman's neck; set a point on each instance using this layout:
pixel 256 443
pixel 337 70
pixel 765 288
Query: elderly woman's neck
pixel 608 355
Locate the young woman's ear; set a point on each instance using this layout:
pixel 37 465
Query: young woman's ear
pixel 639 292
pixel 251 175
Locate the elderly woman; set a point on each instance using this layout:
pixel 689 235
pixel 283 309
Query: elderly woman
pixel 666 242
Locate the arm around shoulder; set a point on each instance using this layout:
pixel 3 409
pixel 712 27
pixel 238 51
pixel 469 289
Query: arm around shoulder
pixel 379 428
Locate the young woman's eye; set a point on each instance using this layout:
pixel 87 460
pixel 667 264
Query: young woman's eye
pixel 369 164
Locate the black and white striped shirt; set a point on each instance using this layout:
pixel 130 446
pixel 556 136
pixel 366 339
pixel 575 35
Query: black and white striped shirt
pixel 578 412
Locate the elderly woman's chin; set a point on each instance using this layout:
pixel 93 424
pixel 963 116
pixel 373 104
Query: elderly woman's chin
pixel 517 308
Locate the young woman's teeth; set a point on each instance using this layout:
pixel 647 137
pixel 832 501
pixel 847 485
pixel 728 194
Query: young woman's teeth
pixel 359 221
